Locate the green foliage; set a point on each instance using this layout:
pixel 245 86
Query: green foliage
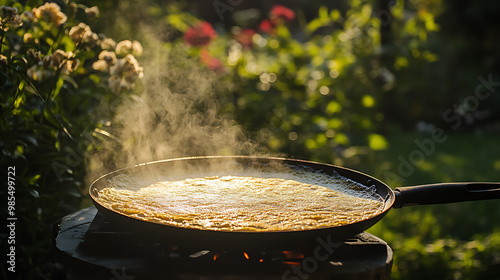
pixel 316 92
pixel 454 241
pixel 51 94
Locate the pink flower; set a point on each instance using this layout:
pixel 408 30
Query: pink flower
pixel 200 35
pixel 281 13
pixel 245 38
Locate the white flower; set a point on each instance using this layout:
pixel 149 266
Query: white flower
pixel 109 57
pixel 10 18
pixel 3 59
pixel 136 48
pixel 128 47
pixel 92 12
pixel 51 13
pixel 124 47
pixel 101 65
pixel 124 73
pixel 82 34
pixel 108 44
pixel 59 60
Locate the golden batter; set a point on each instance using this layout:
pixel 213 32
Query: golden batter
pixel 244 203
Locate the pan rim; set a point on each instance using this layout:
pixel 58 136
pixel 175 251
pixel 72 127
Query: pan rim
pixel 388 200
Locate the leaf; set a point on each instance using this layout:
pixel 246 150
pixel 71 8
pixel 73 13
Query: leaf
pixel 321 139
pixel 377 142
pixel 333 107
pixel 29 138
pixel 48 116
pixel 176 21
pixel 366 13
pixel 367 101
pixel 19 101
pixel 34 193
pixel 323 14
pixel 314 25
pixel 57 89
pixel 311 144
pixel 334 123
pixel 283 32
pixel 335 15
pixel 33 180
pixel 401 62
pixel 19 150
pixel 342 139
pixel 70 80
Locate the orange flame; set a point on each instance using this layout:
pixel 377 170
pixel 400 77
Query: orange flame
pixel 246 255
pixel 215 257
pixel 293 255
pixel 292 263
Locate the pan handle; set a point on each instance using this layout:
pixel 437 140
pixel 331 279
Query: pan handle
pixel 445 193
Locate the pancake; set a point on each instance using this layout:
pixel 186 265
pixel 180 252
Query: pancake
pixel 274 202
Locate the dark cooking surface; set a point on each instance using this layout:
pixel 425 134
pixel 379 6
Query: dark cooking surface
pixel 92 246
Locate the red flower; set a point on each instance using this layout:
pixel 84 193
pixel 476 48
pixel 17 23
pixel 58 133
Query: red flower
pixel 216 65
pixel 266 26
pixel 211 62
pixel 281 13
pixel 200 35
pixel 245 37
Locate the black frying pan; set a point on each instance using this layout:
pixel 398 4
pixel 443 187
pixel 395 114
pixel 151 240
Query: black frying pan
pixel 209 239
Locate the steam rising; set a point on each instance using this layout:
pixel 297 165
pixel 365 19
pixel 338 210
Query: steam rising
pixel 177 114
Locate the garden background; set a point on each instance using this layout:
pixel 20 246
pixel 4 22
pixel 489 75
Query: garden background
pixel 363 84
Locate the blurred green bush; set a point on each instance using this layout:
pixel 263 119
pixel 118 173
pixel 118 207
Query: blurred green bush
pixel 58 79
pixel 315 89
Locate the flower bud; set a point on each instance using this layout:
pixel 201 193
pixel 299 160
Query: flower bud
pixel 92 12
